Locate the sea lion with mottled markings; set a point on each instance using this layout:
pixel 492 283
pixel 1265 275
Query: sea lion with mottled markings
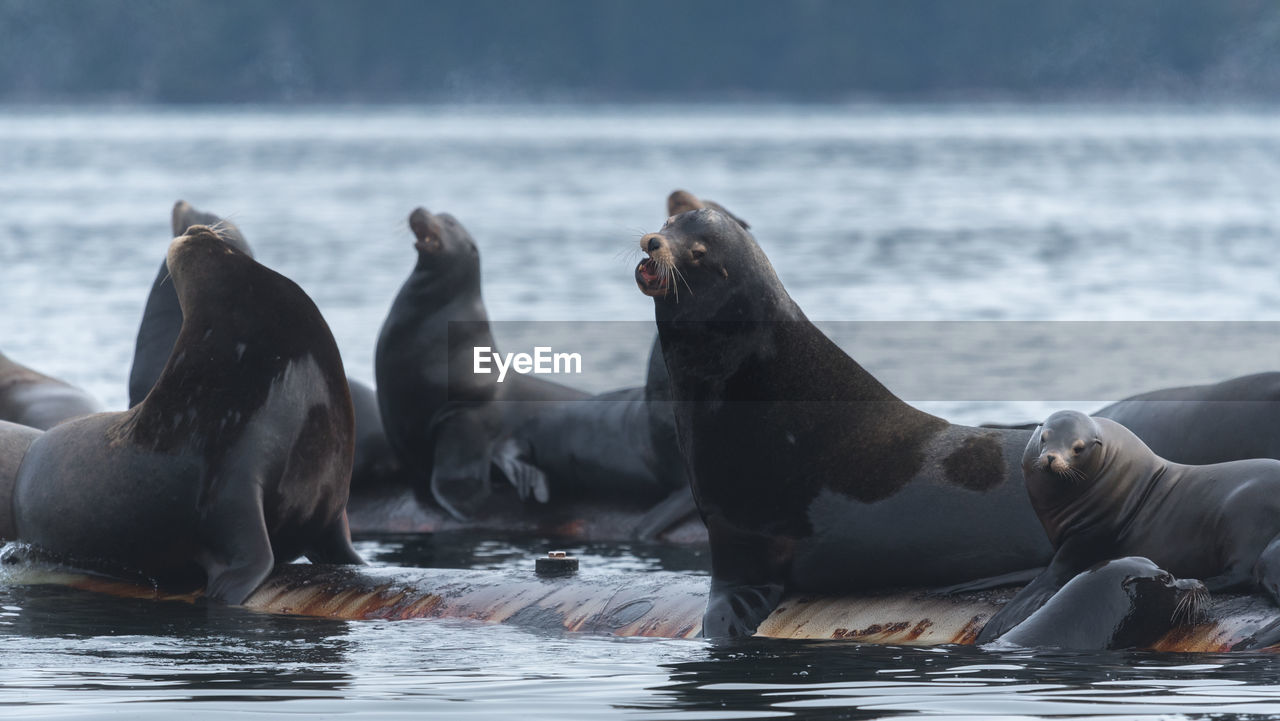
pixel 1101 493
pixel 34 399
pixel 1123 603
pixel 238 457
pixel 375 464
pixel 811 476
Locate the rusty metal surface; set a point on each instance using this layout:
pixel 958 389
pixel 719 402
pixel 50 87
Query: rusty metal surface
pixel 397 511
pixel 652 603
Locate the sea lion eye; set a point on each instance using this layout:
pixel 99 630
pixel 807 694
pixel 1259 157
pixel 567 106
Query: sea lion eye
pixel 1078 447
pixel 697 252
pixel 1044 438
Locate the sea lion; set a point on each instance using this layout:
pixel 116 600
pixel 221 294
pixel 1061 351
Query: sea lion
pixel 1199 425
pixel 1124 603
pixel 428 393
pixel 162 316
pixel 240 455
pixel 1101 493
pixel 15 439
pixel 162 319
pixel 453 425
pixel 811 476
pixel 34 399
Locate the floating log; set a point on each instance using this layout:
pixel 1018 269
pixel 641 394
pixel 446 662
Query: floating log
pixel 650 603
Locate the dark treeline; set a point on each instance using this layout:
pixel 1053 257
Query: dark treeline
pixel 666 50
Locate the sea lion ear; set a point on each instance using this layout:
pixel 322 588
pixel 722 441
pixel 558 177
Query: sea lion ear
pixel 180 209
pixel 682 201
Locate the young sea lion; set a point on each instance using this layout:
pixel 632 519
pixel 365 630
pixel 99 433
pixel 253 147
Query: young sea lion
pixel 1101 493
pixel 1124 603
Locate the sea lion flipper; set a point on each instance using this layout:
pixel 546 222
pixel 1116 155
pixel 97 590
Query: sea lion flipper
pixel 239 556
pixel 510 456
pixel 667 513
pixel 1065 566
pixel 735 610
pixel 335 545
pixel 460 469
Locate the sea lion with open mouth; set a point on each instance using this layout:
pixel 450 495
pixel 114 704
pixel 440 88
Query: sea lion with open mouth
pixel 454 425
pixel 811 476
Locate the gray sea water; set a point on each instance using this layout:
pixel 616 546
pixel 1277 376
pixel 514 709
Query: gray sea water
pixel 869 214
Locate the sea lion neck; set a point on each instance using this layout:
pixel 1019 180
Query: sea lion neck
pixel 436 279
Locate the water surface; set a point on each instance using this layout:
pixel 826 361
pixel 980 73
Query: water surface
pixel 869 213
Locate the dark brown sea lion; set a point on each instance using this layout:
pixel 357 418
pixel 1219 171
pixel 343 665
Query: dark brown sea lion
pixel 453 425
pixel 34 399
pixel 1101 493
pixel 1124 603
pixel 811 476
pixel 239 456
pixel 375 464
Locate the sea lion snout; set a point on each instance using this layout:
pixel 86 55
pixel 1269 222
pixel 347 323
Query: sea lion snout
pixel 427 229
pixel 1055 463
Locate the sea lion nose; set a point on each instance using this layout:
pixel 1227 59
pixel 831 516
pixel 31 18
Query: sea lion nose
pixel 651 242
pixel 1050 459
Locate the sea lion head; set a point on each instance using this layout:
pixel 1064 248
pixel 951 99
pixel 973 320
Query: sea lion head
pixel 1067 446
pixel 202 254
pixel 703 264
pixel 185 216
pixel 446 251
pixel 1157 601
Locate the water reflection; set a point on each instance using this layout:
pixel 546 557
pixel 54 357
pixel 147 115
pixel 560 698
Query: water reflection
pixel 832 680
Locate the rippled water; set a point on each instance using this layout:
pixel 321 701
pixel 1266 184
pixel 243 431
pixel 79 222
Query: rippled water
pixel 926 213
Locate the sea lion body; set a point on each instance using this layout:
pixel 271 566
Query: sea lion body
pixel 239 456
pixel 162 320
pixel 810 474
pixel 15 439
pixel 1101 493
pixel 34 399
pixel 1199 425
pixel 453 425
pixel 1124 603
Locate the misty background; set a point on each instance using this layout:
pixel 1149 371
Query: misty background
pixel 335 51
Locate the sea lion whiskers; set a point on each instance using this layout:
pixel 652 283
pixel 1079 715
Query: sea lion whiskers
pixel 1191 607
